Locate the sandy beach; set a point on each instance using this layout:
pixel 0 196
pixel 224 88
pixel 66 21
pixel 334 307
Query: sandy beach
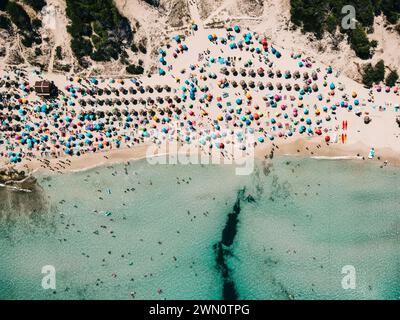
pixel 237 80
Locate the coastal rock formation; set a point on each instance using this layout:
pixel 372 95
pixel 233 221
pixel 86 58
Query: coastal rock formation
pixel 17 179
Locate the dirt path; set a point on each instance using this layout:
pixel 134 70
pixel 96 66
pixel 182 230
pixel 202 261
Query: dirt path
pixel 223 6
pixel 194 13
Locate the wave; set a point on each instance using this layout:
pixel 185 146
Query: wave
pixel 337 158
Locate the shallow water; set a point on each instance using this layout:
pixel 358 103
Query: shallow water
pixel 201 232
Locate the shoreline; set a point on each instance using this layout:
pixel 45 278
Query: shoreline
pixel 294 148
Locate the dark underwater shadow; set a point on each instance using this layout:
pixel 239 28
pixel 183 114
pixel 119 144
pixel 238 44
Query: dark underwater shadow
pixel 29 209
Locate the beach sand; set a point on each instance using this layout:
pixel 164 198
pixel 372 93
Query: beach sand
pixel 382 133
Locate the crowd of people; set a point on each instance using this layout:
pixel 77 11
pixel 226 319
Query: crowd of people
pixel 239 82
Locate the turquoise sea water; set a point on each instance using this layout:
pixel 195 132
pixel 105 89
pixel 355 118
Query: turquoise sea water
pixel 201 232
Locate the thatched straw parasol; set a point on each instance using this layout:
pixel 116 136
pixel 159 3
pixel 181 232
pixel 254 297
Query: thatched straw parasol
pixel 224 71
pixel 314 76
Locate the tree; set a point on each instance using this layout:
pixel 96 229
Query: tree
pixel 134 48
pixel 133 69
pixel 37 5
pixel 59 53
pixel 3 5
pixel 5 23
pixel 379 74
pixel 367 77
pixel 155 3
pixel 392 78
pixel 372 74
pixel 19 16
pixel 397 28
pixel 391 9
pixel 81 47
pixel 359 42
pixel 318 16
pixel 100 21
pixel 142 48
pixel 36 23
pixel 331 23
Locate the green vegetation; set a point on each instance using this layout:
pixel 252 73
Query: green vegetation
pixel 134 69
pixel 3 5
pixel 36 23
pixel 142 48
pixel 372 74
pixel 59 53
pixel 397 28
pixel 19 16
pixel 392 78
pixel 5 23
pixel 391 9
pixel 37 5
pixel 124 57
pixel 98 30
pixel 320 16
pixel 22 20
pixel 81 47
pixel 134 48
pixel 154 3
pixel 359 42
